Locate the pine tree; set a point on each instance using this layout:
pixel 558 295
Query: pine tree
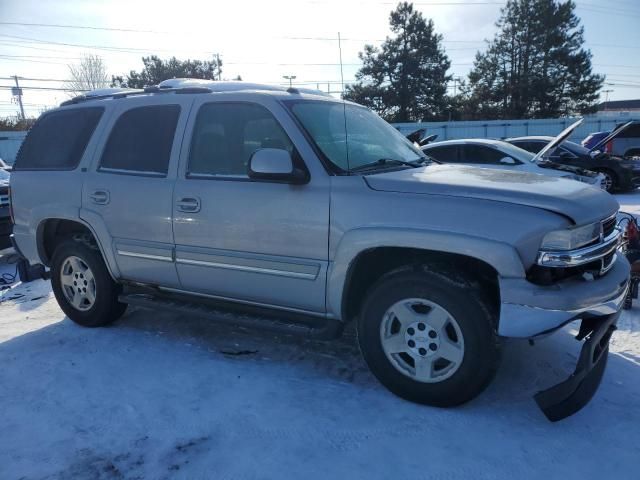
pixel 406 78
pixel 156 70
pixel 536 65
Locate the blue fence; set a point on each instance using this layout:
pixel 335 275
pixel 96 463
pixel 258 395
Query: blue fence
pixel 10 144
pixel 515 128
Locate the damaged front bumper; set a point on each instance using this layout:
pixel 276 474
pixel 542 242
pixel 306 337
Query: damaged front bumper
pixel 568 397
pixel 530 311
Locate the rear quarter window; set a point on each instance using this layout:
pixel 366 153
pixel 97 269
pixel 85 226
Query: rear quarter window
pixel 58 140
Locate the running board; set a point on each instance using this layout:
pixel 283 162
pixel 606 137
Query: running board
pixel 238 315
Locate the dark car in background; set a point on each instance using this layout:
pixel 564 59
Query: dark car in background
pixel 5 220
pixel 624 144
pixel 620 174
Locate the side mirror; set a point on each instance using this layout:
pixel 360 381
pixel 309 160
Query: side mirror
pixel 275 165
pixel 507 161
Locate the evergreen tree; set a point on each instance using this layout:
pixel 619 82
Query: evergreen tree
pixel 406 78
pixel 156 70
pixel 536 65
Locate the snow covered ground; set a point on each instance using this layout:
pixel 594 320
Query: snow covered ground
pixel 162 396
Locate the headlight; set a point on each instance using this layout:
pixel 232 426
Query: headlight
pixel 571 238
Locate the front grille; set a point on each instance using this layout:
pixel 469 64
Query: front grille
pixel 608 226
pixel 4 200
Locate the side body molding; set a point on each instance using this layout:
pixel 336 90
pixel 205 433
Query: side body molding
pixel 501 256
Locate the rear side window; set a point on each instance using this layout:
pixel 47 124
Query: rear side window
pixel 444 154
pixel 58 139
pixel 141 141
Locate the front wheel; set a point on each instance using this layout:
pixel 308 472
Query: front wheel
pixel 427 339
pixel 82 285
pixel 610 180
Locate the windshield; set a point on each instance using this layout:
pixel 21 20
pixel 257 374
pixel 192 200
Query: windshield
pixel 369 140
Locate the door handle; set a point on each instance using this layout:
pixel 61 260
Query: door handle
pixel 189 204
pixel 101 197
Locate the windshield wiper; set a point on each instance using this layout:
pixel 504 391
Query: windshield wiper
pixel 385 162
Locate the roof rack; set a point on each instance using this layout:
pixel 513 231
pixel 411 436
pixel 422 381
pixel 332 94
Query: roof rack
pixel 186 86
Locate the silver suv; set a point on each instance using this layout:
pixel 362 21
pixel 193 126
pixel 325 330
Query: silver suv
pixel 305 213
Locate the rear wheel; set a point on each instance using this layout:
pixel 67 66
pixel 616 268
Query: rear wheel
pixel 82 285
pixel 427 339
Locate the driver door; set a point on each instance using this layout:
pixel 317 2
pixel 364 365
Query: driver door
pixel 259 242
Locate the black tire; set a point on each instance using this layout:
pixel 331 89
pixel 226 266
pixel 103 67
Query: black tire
pixel 615 184
pixel 106 308
pixel 481 346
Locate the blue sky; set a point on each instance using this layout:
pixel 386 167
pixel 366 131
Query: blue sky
pixel 262 41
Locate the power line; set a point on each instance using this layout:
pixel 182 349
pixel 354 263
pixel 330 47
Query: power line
pixel 84 27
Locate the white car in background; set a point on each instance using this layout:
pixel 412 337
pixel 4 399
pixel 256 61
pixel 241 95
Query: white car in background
pixel 482 152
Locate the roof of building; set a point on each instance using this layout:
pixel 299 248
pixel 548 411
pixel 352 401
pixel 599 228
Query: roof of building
pixel 620 105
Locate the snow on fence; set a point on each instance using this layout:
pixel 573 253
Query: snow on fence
pixel 10 144
pixel 514 128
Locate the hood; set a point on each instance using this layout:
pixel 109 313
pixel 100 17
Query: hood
pixel 562 136
pixel 611 136
pixel 580 202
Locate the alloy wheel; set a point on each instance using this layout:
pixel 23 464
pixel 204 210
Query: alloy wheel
pixel 78 283
pixel 422 340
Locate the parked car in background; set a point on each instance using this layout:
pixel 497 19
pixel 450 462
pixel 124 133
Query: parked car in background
pixel 625 143
pixel 5 219
pixel 481 152
pixel 620 174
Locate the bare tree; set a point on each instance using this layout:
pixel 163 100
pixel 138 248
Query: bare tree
pixel 89 74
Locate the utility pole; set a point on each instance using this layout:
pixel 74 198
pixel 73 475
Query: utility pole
pixel 606 98
pixel 218 66
pixel 290 78
pixel 17 92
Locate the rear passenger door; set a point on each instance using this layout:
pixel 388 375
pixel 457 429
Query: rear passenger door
pixel 128 191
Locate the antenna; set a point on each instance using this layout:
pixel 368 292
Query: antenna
pixel 344 105
pixel 341 71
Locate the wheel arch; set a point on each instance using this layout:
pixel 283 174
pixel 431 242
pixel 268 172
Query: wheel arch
pixel 50 231
pixel 358 265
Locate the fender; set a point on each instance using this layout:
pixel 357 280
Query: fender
pixel 501 256
pixel 95 225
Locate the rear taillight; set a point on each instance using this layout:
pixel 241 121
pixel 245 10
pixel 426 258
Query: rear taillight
pixel 608 147
pixel 13 222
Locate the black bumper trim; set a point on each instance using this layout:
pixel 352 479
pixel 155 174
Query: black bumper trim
pixel 568 397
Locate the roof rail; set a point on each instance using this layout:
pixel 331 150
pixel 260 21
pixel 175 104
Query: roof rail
pixel 186 86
